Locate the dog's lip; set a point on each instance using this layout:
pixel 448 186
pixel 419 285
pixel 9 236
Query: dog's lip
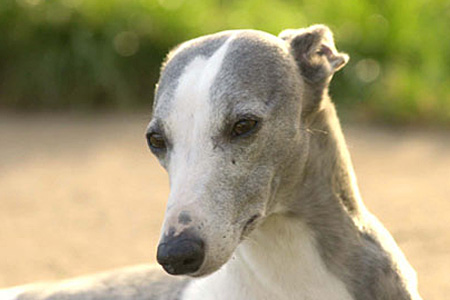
pixel 252 220
pixel 250 225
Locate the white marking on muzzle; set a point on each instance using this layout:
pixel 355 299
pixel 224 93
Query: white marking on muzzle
pixel 191 122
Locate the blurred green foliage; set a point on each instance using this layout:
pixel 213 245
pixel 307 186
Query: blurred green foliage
pixel 90 54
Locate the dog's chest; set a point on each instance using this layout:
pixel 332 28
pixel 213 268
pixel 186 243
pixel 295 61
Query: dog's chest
pixel 279 262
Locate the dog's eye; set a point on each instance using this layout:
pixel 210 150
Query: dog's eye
pixel 244 126
pixel 156 141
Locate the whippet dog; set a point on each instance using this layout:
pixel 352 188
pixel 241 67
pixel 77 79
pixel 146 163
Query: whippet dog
pixel 264 202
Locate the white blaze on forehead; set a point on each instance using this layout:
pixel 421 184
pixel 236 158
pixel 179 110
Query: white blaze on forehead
pixel 191 105
pixel 191 121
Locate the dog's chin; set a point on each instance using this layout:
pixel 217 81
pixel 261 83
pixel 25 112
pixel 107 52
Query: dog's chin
pixel 202 273
pixel 211 266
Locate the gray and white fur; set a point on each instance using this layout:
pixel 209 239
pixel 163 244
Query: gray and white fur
pixel 274 213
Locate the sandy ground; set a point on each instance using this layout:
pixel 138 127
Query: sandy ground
pixel 80 194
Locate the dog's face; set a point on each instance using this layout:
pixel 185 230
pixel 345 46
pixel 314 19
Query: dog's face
pixel 227 128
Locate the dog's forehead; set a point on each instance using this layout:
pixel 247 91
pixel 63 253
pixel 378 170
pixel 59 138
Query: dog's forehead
pixel 181 56
pixel 254 65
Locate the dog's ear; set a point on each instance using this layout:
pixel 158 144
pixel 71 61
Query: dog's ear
pixel 315 53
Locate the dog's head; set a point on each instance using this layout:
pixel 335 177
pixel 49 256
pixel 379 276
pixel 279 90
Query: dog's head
pixel 227 126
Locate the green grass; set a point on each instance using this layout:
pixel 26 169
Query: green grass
pixel 105 54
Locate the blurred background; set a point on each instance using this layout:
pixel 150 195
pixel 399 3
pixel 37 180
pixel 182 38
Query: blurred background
pixel 105 54
pixel 79 192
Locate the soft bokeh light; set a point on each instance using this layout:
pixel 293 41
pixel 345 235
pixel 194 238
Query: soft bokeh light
pixel 126 43
pixel 367 70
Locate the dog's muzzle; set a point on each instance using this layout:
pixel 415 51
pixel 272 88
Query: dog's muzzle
pixel 182 254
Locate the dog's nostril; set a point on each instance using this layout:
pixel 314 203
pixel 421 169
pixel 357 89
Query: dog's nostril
pixel 181 255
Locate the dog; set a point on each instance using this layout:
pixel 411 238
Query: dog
pixel 264 202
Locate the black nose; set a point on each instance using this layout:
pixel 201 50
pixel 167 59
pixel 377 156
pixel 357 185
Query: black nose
pixel 181 255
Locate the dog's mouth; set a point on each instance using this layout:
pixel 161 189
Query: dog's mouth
pixel 250 225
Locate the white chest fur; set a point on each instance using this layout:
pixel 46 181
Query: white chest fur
pixel 278 261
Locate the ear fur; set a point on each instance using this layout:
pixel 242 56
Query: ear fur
pixel 315 53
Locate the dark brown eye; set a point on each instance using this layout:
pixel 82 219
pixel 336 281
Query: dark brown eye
pixel 243 127
pixel 156 141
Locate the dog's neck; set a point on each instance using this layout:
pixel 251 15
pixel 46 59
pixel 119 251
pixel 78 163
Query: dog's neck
pixel 329 169
pixel 279 260
pixel 327 199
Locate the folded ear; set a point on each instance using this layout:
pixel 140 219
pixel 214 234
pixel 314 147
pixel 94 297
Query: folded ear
pixel 315 53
